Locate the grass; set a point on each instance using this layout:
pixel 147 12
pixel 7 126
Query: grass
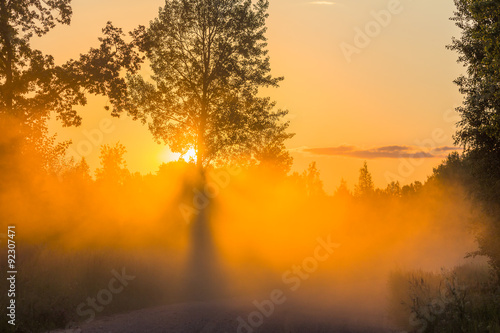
pixel 465 299
pixel 51 284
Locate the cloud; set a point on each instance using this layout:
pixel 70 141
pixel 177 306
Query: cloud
pixel 395 151
pixel 446 148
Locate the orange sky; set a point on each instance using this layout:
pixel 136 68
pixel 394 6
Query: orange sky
pixel 394 92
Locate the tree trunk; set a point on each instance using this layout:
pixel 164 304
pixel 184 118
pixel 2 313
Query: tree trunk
pixel 204 275
pixel 203 271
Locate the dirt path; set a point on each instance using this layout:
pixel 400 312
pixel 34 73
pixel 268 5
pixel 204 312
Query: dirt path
pixel 222 317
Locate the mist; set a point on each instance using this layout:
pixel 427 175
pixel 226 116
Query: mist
pixel 249 239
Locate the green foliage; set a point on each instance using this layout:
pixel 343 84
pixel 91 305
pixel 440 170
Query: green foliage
pixel 479 50
pixel 209 59
pixel 479 128
pixel 461 300
pixel 451 170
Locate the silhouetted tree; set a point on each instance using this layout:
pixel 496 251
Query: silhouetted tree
pixel 82 170
pixel 393 189
pixel 365 184
pixel 113 166
pixel 31 85
pixel 77 172
pixel 479 127
pixel 411 189
pixel 451 170
pixel 312 181
pixel 342 191
pixel 20 20
pixel 209 59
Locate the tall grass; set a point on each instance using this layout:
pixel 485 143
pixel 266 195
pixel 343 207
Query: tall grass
pixel 51 284
pixel 465 299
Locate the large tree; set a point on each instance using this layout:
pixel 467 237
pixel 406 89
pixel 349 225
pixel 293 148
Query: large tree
pixel 32 85
pixel 209 59
pixel 479 127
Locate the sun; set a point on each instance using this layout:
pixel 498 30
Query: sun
pixel 168 156
pixel 190 155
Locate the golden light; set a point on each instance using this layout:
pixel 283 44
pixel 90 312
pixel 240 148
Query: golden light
pixel 190 155
pixel 168 156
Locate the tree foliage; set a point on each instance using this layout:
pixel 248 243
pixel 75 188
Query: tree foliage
pixel 25 71
pixel 312 181
pixel 365 184
pixel 32 85
pixel 479 128
pixel 209 59
pixel 342 191
pixel 393 189
pixel 113 165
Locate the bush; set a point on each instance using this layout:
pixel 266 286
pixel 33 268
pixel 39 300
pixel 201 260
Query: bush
pixel 465 299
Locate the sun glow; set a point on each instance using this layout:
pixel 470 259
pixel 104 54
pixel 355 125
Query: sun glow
pixel 168 156
pixel 190 155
